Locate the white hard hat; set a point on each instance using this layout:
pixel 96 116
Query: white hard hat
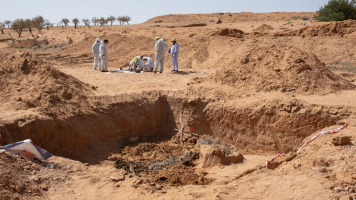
pixel 98 40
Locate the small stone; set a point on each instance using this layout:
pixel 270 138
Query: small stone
pixel 44 187
pixel 30 103
pixel 297 165
pixel 117 185
pixel 323 170
pixel 338 189
pixel 347 197
pixel 34 178
pixel 112 158
pixel 117 178
pixel 340 140
pixel 86 164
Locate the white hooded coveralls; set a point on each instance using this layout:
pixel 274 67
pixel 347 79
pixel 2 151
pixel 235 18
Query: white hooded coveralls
pixel 139 63
pixel 95 50
pixel 104 56
pixel 175 49
pixel 149 66
pixel 160 47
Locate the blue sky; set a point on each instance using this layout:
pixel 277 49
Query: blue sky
pixel 142 10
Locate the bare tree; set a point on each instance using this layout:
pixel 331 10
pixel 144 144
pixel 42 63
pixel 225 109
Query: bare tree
pixel 120 19
pixel 86 22
pixel 111 19
pixel 18 25
pixel 47 23
pixel 127 19
pixel 8 23
pixel 65 21
pixel 2 26
pixel 94 20
pixel 29 24
pixel 102 21
pixel 38 22
pixel 75 22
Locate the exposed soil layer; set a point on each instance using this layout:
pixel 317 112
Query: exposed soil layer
pixel 231 33
pixel 324 29
pixel 282 68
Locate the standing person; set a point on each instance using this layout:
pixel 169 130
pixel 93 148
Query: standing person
pixel 174 54
pixel 160 48
pixel 150 63
pixel 95 50
pixel 104 56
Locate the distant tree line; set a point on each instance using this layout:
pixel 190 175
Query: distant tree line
pixel 39 22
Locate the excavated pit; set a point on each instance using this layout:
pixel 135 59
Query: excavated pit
pixel 263 127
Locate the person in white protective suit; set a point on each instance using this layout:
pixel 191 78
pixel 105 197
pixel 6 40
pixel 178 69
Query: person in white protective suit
pixel 95 50
pixel 104 56
pixel 160 48
pixel 174 51
pixel 137 62
pixel 149 65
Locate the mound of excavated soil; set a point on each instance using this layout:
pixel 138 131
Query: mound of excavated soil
pixel 281 68
pixel 25 43
pixel 20 178
pixel 26 81
pixel 230 33
pixel 181 175
pixel 324 29
pixel 263 28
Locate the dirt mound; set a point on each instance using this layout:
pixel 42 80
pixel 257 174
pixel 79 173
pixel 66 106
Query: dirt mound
pixel 324 29
pixel 25 43
pixel 281 68
pixel 263 28
pixel 20 178
pixel 230 33
pixel 181 175
pixel 26 81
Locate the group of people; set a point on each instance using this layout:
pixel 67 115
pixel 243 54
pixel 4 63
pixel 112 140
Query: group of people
pixel 139 63
pixel 100 52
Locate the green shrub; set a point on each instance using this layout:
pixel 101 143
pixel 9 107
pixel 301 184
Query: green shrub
pixel 337 10
pixel 296 17
pixel 159 21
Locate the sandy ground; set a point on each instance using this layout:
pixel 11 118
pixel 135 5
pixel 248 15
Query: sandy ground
pixel 202 54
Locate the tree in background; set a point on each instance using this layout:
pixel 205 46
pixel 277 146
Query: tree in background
pixel 86 22
pixel 337 10
pixel 120 19
pixel 29 24
pixel 111 19
pixel 75 22
pixel 95 21
pixel 38 22
pixel 65 21
pixel 7 23
pixel 127 19
pixel 18 25
pixel 47 24
pixel 2 26
pixel 102 21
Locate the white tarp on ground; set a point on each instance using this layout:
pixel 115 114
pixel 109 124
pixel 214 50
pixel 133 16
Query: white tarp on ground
pixel 27 150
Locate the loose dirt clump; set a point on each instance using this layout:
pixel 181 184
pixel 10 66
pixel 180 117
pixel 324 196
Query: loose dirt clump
pixel 26 82
pixel 263 28
pixel 281 68
pixel 181 175
pixel 325 29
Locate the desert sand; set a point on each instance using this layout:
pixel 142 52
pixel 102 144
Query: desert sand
pixel 248 88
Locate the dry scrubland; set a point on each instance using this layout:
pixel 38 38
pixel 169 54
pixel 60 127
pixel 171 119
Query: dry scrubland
pixel 253 86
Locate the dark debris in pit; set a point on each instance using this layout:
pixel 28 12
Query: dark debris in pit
pixel 186 159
